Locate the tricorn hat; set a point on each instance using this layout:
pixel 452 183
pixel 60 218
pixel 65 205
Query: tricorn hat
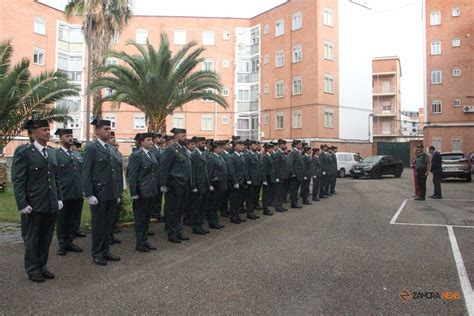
pixel 100 122
pixel 176 130
pixel 63 131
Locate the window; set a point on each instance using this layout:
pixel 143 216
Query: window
pixel 206 99
pixel 225 120
pixel 297 21
pixel 178 120
pixel 436 142
pixel 108 92
pixel 279 58
pixel 39 25
pixel 141 35
pixel 436 106
pixel 279 120
pixel 297 119
pixel 457 103
pixel 279 27
pixel 38 56
pixel 226 63
pixel 111 61
pixel 208 38
pixel 75 123
pixel 456 145
pixel 207 122
pixel 180 37
pixel 297 53
pixel 456 72
pixel 255 65
pixel 436 77
pixel 266 88
pixel 456 42
pixel 266 119
pixel 456 11
pixel 279 88
pixel 139 121
pixel 328 50
pixel 266 59
pixel 111 117
pixel 436 48
pixel 243 95
pixel 208 64
pixel 328 84
pixel 225 92
pixel 226 36
pixel 266 29
pixel 297 85
pixel 435 18
pixel 328 119
pixel 327 17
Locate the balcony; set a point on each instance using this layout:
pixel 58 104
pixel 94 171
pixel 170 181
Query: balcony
pixel 385 132
pixel 247 106
pixel 247 77
pixel 254 49
pixel 384 90
pixel 385 111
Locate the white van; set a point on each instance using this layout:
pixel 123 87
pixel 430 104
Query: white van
pixel 345 161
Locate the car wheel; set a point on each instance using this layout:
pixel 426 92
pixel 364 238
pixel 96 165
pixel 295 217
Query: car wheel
pixel 342 173
pixel 469 178
pixel 376 174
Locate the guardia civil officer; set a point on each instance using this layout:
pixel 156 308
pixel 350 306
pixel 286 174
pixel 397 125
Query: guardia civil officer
pixel 325 165
pixel 120 184
pixel 156 151
pixel 254 178
pixel 100 174
pixel 333 159
pixel 421 162
pixel 226 152
pixel 268 174
pixel 187 209
pixel 282 173
pixel 257 205
pixel 238 173
pixel 296 164
pixel 38 197
pixel 307 175
pixel 142 173
pixel 175 179
pixel 76 149
pixel 316 174
pixel 218 178
pixel 70 178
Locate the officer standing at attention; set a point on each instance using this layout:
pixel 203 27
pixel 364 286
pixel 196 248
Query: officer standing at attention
pixel 316 174
pixel 254 178
pixel 282 173
pixel 218 178
pixel 238 173
pixel 324 159
pixel 38 198
pixel 142 173
pixel 421 163
pixel 332 187
pixel 76 150
pixel 70 178
pixel 308 172
pixel 99 174
pixel 187 212
pixel 224 206
pixel 175 180
pixel 120 184
pixel 296 164
pixel 268 174
pixel 156 151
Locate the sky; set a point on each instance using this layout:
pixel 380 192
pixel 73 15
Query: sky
pixel 395 28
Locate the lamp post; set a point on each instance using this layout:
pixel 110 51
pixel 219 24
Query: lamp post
pixel 88 90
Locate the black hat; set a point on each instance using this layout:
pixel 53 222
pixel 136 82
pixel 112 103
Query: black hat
pixel 281 141
pixel 269 145
pixel 191 140
pixel 156 135
pixel 201 139
pixel 296 142
pixel 238 141
pixel 235 137
pixel 175 130
pixel 77 143
pixel 168 137
pixel 100 122
pixel 322 146
pixel 217 143
pixel 63 131
pixel 31 124
pixel 306 148
pixel 251 142
pixel 138 136
pixel 142 136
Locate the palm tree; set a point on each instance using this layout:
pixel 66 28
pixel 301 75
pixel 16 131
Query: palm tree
pixel 23 96
pixel 158 83
pixel 102 20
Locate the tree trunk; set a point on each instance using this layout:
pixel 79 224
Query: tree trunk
pixel 157 124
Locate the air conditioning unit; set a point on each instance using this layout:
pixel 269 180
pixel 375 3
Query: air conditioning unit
pixel 226 35
pixel 469 109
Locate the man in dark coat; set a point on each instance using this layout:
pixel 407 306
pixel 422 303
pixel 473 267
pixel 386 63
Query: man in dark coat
pixel 333 173
pixel 224 206
pixel 421 163
pixel 308 171
pixel 70 178
pixel 296 164
pixel 199 187
pixel 120 182
pixel 238 173
pixel 325 165
pixel 254 178
pixel 437 171
pixel 218 178
pixel 99 174
pixel 76 150
pixel 316 174
pixel 156 151
pixel 38 197
pixel 268 177
pixel 282 173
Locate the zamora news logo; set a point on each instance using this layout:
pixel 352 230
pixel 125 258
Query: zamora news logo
pixel 406 295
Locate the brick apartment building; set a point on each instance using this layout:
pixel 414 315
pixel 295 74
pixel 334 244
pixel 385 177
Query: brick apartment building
pixel 279 69
pixel 449 75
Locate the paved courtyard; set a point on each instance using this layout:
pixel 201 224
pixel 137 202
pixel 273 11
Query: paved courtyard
pixel 356 253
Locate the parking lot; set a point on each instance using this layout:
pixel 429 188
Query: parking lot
pixel 368 249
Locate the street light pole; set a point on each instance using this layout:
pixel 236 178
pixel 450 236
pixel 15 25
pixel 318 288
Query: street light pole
pixel 88 90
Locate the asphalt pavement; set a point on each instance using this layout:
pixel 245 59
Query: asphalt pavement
pixel 339 255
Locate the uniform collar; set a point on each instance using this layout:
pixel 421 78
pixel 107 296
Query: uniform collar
pixel 65 149
pixel 101 142
pixel 39 147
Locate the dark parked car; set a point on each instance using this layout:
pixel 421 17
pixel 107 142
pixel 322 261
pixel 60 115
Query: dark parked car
pixel 377 166
pixel 456 165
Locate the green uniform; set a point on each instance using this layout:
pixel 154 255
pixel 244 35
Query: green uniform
pixel 325 166
pixel 224 206
pixel 218 179
pixel 156 213
pixel 77 220
pixel 333 173
pixel 421 167
pixel 255 176
pixel 36 184
pixel 268 175
pixel 238 174
pixel 308 170
pixel 282 174
pixel 201 184
pixel 316 175
pixel 296 164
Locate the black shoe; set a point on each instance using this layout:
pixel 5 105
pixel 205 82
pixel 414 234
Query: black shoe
pixel 296 206
pixel 252 216
pixel 438 197
pixel 199 231
pixel 80 234
pixel 73 248
pixel 61 251
pixel 207 231
pixel 216 226
pixel 38 278
pixel 183 237
pixel 420 199
pixel 432 196
pixel 174 239
pixel 142 249
pixel 267 212
pixel 323 197
pixel 329 194
pixel 150 246
pixel 242 220
pixel 258 207
pixel 307 203
pixel 47 275
pixel 100 261
pixel 224 214
pixel 280 209
pixel 334 192
pixel 316 199
pixel 151 234
pixel 115 240
pixel 111 257
pixel 235 220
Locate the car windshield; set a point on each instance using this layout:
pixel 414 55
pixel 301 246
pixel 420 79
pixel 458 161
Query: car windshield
pixel 452 156
pixel 357 158
pixel 372 159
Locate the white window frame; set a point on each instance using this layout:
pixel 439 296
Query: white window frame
pixel 328 50
pixel 457 72
pixel 266 88
pixel 141 36
pixel 207 117
pixel 437 106
pixel 456 150
pixel 297 119
pixel 328 17
pixel 436 48
pixel 39 25
pixel 39 60
pixel 225 120
pixel 207 100
pixel 208 38
pixel 226 63
pixel 280 58
pixel 243 94
pixel 294 89
pixel 279 27
pixel 266 59
pixel 328 114
pixel 266 29
pixel 437 142
pixel 280 83
pixel 436 76
pixel 457 102
pixel 279 115
pixel 328 83
pixel 266 119
pixel 141 117
pixel 179 37
pixel 225 92
pixel 208 61
pixel 297 21
pixel 456 11
pixel 456 42
pixel 112 117
pixel 297 53
pixel 179 120
pixel 435 18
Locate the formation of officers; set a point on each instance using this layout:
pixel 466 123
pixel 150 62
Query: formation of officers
pixel 195 181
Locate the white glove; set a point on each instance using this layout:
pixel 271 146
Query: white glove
pixel 211 188
pixel 195 190
pixel 305 178
pixel 265 183
pixel 293 176
pixel 277 180
pixel 324 173
pixel 135 197
pixel 164 189
pixel 60 205
pixel 314 177
pixel 93 200
pixel 118 200
pixel 27 210
pixel 249 182
pixel 236 186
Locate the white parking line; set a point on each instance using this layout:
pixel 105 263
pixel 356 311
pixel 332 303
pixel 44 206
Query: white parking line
pixel 462 273
pixel 398 212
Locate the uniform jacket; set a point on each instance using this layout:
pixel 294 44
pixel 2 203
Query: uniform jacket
pixel 70 174
pixel 254 167
pixel 175 166
pixel 332 163
pixel 217 171
pixel 268 171
pixel 436 163
pixel 324 161
pixel 280 165
pixel 35 180
pixel 119 167
pixel 237 169
pixel 308 166
pixel 295 161
pixel 142 174
pixel 99 172
pixel 199 171
pixel 316 166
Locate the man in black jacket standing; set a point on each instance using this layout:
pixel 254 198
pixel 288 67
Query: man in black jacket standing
pixel 316 173
pixel 238 174
pixel 199 187
pixel 437 171
pixel 282 173
pixel 254 178
pixel 268 173
pixel 296 164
